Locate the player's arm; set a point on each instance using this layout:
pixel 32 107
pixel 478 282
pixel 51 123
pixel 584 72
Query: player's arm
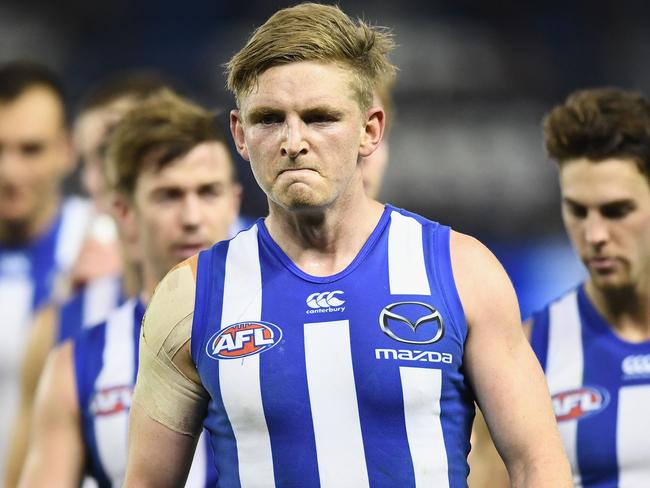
pixel 56 453
pixel 506 377
pixel 39 344
pixel 169 403
pixel 486 466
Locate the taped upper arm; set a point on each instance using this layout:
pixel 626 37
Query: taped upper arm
pixel 168 387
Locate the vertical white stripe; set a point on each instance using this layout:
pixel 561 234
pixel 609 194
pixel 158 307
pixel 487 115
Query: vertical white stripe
pixel 406 268
pixel 564 365
pixel 100 298
pixel 334 408
pixel 75 219
pixel 240 378
pixel 16 295
pixel 422 388
pixel 198 471
pixel 632 434
pixel 111 431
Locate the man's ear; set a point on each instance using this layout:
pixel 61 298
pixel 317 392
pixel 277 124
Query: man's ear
pixel 237 131
pixel 373 131
pixel 124 214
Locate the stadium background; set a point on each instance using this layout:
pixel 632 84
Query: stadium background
pixel 475 79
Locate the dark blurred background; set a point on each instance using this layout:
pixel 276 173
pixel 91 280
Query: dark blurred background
pixel 475 79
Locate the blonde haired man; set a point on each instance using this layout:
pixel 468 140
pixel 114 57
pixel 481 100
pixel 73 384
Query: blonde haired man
pixel 334 343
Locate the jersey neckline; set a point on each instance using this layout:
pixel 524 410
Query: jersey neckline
pixel 277 251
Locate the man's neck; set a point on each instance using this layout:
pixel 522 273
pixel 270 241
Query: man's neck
pixel 324 242
pixel 626 309
pixel 21 233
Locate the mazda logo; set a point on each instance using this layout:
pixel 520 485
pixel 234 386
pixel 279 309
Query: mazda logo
pixel 387 315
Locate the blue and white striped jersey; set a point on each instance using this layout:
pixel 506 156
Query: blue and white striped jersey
pixel 105 364
pixel 91 305
pixel 600 385
pixel 348 380
pixel 28 276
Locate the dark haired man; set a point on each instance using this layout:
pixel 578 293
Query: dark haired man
pixel 40 232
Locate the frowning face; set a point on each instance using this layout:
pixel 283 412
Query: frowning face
pixel 303 132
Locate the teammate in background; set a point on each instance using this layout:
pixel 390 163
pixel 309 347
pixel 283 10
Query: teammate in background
pixel 594 341
pixel 328 342
pixel 55 322
pixel 177 194
pixel 40 232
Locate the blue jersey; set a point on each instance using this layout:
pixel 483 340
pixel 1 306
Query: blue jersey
pixel 105 364
pixel 28 276
pixel 89 306
pixel 600 385
pixel 351 380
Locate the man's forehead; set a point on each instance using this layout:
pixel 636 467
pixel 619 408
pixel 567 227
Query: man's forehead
pixel 305 83
pixel 34 113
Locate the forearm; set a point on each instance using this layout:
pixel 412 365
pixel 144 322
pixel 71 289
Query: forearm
pixel 17 448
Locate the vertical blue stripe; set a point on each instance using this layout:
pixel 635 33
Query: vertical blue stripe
pixel 596 436
pixel 207 320
pixel 539 335
pixel 202 301
pixel 138 315
pixel 379 390
pixel 88 361
pixel 285 396
pixel 44 270
pixel 71 317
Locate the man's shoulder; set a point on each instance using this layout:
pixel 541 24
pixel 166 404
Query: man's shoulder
pixel 173 300
pixel 424 221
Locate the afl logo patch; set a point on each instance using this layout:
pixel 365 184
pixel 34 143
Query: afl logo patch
pixel 579 403
pixel 243 339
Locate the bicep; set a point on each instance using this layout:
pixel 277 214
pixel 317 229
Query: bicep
pixel 56 453
pixel 502 368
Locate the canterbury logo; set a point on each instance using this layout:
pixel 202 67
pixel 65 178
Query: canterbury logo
pixel 326 301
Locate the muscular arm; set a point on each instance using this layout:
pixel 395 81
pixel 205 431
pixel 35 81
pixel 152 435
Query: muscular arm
pixel 486 466
pixel 40 344
pixel 169 403
pixel 56 454
pixel 506 377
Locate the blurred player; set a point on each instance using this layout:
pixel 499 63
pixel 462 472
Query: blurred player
pixel 327 345
pixel 176 194
pixel 40 232
pixel 100 288
pixel 594 341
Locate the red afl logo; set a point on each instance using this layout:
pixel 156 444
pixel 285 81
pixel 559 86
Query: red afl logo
pixel 109 401
pixel 243 339
pixel 579 403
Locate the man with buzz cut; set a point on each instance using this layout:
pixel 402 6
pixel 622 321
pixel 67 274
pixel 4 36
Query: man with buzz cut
pixel 415 321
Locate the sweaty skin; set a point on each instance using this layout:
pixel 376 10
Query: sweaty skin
pixel 171 310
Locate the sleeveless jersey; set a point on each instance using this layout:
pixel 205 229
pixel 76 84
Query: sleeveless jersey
pixel 350 380
pixel 89 306
pixel 600 385
pixel 28 275
pixel 105 364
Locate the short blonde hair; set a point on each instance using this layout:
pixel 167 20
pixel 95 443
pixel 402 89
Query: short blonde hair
pixel 315 32
pixel 157 131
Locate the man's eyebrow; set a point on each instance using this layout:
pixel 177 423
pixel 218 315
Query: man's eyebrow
pixel 322 110
pixel 256 113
